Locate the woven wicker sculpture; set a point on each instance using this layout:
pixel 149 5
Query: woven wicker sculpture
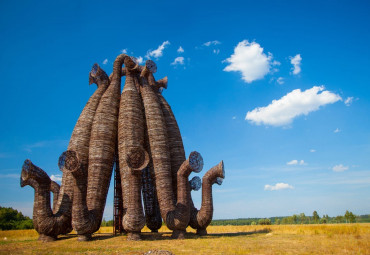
pixel 152 163
pixel 59 221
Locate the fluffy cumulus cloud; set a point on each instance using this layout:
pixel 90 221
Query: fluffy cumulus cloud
pixel 157 53
pixel 337 130
pixel 105 61
pixel 56 178
pixel 281 112
pixel 178 61
pixel 296 62
pixel 278 186
pixel 340 168
pixel 124 51
pixel 296 162
pixel 250 60
pixel 215 42
pixel 180 50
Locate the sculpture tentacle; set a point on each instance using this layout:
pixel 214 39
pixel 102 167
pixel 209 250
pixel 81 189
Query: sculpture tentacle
pixel 202 218
pixel 100 162
pixel 47 224
pixel 133 157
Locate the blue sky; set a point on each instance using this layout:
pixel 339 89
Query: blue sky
pixel 279 90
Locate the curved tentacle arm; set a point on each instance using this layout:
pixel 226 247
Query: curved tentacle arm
pixel 180 217
pixel 201 219
pixel 48 225
pixel 133 157
pixel 91 194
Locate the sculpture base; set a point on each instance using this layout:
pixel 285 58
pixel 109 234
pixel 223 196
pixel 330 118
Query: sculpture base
pixel 84 238
pixel 178 234
pixel 201 232
pixel 45 238
pixel 133 236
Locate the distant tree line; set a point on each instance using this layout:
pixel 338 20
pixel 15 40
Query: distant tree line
pixel 301 218
pixel 12 219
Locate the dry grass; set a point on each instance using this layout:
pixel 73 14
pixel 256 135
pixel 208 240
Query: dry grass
pixel 283 239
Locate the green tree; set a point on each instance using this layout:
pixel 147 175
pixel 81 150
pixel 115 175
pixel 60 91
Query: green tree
pixel 303 218
pixel 350 217
pixel 277 222
pixel 295 218
pixel 12 219
pixel 315 217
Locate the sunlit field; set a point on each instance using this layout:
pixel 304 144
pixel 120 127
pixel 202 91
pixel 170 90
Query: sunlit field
pixel 273 239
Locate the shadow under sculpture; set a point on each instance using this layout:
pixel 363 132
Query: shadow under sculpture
pixel 58 221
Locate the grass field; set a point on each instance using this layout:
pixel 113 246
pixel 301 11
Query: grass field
pixel 274 239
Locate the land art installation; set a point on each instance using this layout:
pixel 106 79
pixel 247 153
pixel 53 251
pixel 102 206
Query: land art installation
pixel 138 130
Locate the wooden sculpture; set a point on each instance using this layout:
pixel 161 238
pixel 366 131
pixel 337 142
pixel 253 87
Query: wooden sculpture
pixel 153 168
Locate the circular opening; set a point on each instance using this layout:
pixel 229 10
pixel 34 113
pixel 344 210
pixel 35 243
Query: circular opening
pixel 195 183
pixel 196 161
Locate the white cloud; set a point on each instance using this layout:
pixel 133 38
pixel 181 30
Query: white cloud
pixel 296 162
pixel 105 61
pixel 293 162
pixel 340 168
pixel 140 59
pixel 348 101
pixel 178 61
pixel 216 51
pixel 280 80
pixel 336 130
pixel 278 186
pixel 180 50
pixel 56 178
pixel 215 42
pixel 296 62
pixel 159 51
pixel 234 117
pixel 282 112
pixel 124 51
pixel 249 59
pixel 312 150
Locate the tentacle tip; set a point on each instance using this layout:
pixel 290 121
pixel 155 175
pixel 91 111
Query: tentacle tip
pixel 219 180
pixel 69 161
pixel 137 158
pixel 223 169
pixel 25 172
pixel 151 66
pixel 195 183
pixel 196 161
pixel 131 62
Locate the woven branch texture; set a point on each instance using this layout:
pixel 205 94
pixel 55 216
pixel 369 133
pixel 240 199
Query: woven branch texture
pixel 152 164
pixel 133 157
